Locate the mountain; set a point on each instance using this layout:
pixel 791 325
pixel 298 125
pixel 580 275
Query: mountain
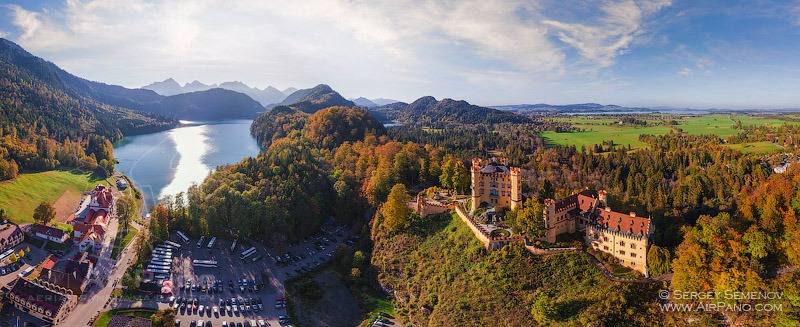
pixel 51 118
pixel 316 98
pixel 167 87
pixel 428 111
pixel 364 102
pixel 266 96
pixel 196 85
pixel 289 90
pixel 383 101
pixel 213 104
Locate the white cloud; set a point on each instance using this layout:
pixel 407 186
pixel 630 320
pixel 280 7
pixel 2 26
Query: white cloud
pixel 614 31
pixel 370 48
pixel 685 72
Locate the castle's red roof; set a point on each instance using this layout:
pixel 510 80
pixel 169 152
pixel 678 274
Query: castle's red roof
pixel 623 222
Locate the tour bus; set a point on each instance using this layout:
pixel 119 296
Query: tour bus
pixel 172 244
pixel 183 237
pixel 26 272
pixel 162 254
pixel 161 261
pixel 211 242
pixel 200 242
pixel 233 246
pixel 162 257
pixel 161 276
pixel 205 263
pixel 6 254
pixel 247 253
pixel 158 266
pixel 157 271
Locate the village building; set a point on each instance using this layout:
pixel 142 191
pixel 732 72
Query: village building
pixel 73 273
pixel 627 237
pixel 41 299
pixel 90 221
pixel 50 233
pixel 495 183
pixel 11 235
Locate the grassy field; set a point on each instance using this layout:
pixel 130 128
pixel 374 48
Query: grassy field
pixel 20 196
pixel 754 147
pixel 121 242
pixel 595 131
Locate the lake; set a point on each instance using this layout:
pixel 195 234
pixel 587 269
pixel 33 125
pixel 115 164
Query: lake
pixel 168 162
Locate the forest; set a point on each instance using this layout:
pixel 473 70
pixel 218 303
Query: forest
pixel 340 165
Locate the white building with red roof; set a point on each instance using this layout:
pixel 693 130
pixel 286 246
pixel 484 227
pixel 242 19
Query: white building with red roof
pixel 627 237
pixel 90 221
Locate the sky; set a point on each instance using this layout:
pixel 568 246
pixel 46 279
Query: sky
pixel 698 54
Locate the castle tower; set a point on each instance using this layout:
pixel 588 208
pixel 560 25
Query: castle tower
pixel 516 188
pixel 477 182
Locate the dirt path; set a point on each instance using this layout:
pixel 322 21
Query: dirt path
pixel 337 307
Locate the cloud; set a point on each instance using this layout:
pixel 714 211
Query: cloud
pixel 685 72
pixel 616 28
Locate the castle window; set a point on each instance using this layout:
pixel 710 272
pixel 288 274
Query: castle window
pixel 633 254
pixel 633 246
pixel 622 243
pixel 493 184
pixel 605 248
pixel 482 192
pixel 633 263
pixel 605 239
pixel 622 252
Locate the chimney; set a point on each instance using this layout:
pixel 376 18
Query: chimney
pixel 633 214
pixel 608 209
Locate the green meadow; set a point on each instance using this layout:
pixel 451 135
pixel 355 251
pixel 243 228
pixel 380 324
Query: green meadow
pixel 596 129
pixel 20 196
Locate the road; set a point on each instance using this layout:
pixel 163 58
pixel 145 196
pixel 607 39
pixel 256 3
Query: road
pixel 97 295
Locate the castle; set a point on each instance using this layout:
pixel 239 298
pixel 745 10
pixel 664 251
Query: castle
pixel 495 183
pixel 624 236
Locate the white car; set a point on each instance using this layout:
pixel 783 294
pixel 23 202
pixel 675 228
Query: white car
pixel 202 308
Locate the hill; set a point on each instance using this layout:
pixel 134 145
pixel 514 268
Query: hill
pixel 52 118
pixel 213 104
pixel 316 98
pixel 442 276
pixel 571 108
pixel 428 111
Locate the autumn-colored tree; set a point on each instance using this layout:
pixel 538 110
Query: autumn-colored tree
pixel 395 211
pixel 126 211
pixel 44 213
pixel 461 177
pixel 446 177
pixel 529 218
pixel 658 261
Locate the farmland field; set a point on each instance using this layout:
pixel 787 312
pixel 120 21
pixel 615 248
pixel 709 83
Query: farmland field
pixel 598 128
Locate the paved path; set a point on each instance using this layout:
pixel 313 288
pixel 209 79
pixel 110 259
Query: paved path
pixel 98 293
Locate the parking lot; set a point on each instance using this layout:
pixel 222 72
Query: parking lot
pixel 236 280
